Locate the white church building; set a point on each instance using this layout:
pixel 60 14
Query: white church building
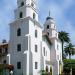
pixel 33 48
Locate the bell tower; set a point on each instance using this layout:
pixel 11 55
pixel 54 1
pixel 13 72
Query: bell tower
pixel 50 27
pixel 26 8
pixel 24 33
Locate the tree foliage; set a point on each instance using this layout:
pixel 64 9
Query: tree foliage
pixel 69 50
pixel 64 37
pixel 68 64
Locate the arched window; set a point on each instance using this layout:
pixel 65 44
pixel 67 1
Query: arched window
pixel 21 15
pixel 36 47
pixel 36 33
pixel 47 26
pixel 46 68
pixel 32 4
pixel 18 47
pixel 22 3
pixel 36 65
pixel 19 32
pixel 33 15
pixel 4 62
pixel 48 33
pixel 18 65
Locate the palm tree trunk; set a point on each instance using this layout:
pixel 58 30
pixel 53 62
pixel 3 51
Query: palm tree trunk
pixel 69 56
pixel 71 66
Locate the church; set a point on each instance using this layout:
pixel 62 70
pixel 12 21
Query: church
pixel 33 48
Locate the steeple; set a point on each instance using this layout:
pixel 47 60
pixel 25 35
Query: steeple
pixel 26 8
pixel 48 18
pixel 49 13
pixel 50 27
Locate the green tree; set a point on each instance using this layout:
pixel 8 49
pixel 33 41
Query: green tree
pixel 69 50
pixel 68 64
pixel 64 38
pixel 43 72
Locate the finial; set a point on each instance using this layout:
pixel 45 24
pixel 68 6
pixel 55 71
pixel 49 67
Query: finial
pixel 49 16
pixel 49 13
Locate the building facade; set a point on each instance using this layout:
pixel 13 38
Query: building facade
pixel 32 49
pixel 3 53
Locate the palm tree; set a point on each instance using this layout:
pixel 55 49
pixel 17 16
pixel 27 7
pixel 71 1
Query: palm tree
pixel 64 38
pixel 69 50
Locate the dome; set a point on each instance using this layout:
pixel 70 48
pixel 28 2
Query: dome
pixel 48 18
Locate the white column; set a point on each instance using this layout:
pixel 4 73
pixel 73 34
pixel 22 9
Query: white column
pixel 56 68
pixel 28 56
pixel 8 58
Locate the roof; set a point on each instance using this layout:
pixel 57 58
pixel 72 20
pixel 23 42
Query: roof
pixel 28 18
pixel 49 18
pixel 3 45
pixel 36 22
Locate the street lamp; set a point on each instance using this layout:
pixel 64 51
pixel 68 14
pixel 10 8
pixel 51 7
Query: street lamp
pixel 11 72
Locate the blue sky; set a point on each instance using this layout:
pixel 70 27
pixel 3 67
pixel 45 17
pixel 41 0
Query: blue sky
pixel 63 12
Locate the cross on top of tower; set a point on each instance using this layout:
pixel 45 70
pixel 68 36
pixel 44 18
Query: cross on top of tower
pixel 49 12
pixel 49 16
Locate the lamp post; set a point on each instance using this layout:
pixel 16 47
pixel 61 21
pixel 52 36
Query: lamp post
pixel 11 72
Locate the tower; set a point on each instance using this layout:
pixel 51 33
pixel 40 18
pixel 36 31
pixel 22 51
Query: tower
pixel 50 27
pixel 26 8
pixel 23 42
pixel 50 30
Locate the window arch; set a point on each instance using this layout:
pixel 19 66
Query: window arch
pixel 36 33
pixel 46 68
pixel 19 32
pixel 32 4
pixel 18 47
pixel 47 26
pixel 21 15
pixel 4 62
pixel 22 3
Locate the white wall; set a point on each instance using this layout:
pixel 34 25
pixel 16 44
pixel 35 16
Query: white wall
pixel 27 9
pixel 35 41
pixel 16 56
pixel 46 58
